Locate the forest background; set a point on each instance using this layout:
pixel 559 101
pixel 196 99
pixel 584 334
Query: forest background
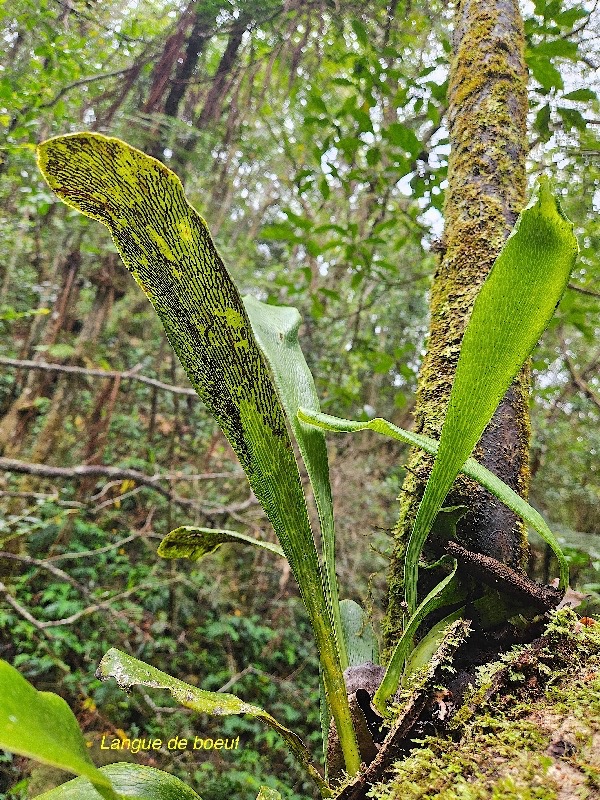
pixel 312 138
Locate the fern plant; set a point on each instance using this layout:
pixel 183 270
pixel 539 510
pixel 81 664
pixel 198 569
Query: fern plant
pixel 244 360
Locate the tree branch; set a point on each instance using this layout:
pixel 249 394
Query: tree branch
pixel 583 290
pixel 148 481
pixel 581 383
pixel 105 549
pixel 507 580
pixel 36 562
pixel 52 623
pixel 129 375
pixel 83 82
pixel 53 498
pixel 22 611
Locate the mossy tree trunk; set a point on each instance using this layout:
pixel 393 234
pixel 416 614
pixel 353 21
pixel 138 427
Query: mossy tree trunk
pixel 486 190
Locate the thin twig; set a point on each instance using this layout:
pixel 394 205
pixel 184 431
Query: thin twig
pixel 103 604
pixel 83 82
pixel 581 383
pixel 43 626
pixel 36 562
pixel 588 370
pixel 107 548
pixel 159 710
pixel 583 290
pixel 117 499
pixel 235 678
pixel 52 498
pixel 22 611
pixel 584 24
pixel 173 476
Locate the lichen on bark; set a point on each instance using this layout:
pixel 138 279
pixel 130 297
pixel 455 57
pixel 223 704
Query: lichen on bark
pixel 487 112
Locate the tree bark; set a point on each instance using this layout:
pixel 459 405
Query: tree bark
pixel 161 74
pixel 182 55
pixel 199 36
pixel 486 189
pixel 14 424
pixel 211 110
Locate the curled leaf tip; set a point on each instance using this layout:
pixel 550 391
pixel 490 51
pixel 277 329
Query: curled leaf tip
pixel 549 207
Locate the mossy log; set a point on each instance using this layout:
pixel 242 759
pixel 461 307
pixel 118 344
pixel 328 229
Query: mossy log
pixel 528 730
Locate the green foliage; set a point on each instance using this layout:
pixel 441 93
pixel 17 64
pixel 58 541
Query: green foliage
pixel 470 467
pixel 195 543
pixel 503 745
pixel 128 780
pixel 443 594
pixel 130 672
pixel 359 636
pixel 511 311
pixel 173 259
pixel 41 725
pixel 175 263
pixel 276 331
pixel 549 46
pixel 270 643
pixel 268 794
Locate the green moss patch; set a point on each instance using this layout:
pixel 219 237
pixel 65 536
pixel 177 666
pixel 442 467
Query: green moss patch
pixel 530 729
